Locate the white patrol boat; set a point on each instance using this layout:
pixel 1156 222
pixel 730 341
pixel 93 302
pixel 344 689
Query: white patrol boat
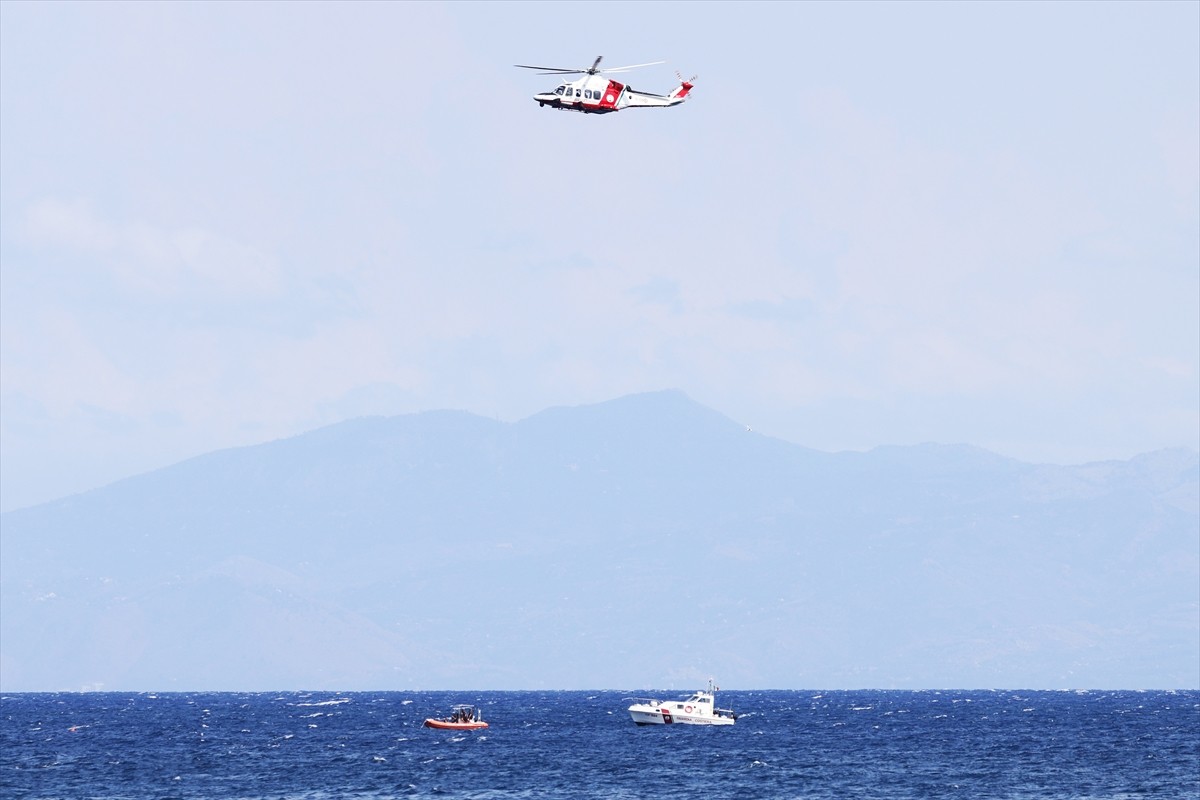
pixel 699 709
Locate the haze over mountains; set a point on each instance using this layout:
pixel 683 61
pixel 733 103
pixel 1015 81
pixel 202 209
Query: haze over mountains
pixel 643 542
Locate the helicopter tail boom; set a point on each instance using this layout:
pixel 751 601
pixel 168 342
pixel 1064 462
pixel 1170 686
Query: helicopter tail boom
pixel 677 95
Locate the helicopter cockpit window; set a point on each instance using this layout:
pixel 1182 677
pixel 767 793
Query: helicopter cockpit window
pixel 559 90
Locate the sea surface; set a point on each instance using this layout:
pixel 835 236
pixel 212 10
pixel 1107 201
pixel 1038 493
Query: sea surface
pixel 786 744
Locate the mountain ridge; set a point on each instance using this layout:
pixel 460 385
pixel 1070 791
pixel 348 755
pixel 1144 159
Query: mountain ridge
pixel 361 554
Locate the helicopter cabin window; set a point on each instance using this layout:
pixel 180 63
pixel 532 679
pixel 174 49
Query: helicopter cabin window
pixel 587 94
pixel 577 93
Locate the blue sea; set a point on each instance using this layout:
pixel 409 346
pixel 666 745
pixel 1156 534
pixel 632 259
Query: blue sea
pixel 786 744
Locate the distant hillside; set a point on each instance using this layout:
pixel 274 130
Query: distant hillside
pixel 646 541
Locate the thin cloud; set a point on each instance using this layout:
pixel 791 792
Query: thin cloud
pixel 156 261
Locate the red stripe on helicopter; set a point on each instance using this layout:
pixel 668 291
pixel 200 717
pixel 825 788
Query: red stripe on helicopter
pixel 611 95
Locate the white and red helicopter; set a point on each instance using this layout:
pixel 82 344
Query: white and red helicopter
pixel 596 94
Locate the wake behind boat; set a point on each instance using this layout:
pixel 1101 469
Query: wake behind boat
pixel 462 718
pixel 699 709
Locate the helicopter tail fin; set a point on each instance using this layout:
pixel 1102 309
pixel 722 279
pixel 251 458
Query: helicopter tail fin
pixel 680 92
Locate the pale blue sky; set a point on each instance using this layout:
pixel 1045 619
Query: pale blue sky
pixel 223 223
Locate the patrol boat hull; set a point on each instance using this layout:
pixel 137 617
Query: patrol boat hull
pixel 699 709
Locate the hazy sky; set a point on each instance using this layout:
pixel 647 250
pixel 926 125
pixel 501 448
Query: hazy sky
pixel 223 223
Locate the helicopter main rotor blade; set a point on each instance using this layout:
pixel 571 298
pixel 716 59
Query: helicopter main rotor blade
pixel 592 70
pixel 632 66
pixel 551 70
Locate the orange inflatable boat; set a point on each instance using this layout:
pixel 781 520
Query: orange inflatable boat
pixel 462 718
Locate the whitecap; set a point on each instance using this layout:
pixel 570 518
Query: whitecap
pixel 336 702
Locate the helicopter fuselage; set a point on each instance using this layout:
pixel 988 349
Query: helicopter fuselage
pixel 591 95
pixel 598 95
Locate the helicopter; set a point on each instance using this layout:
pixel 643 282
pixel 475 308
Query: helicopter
pixel 596 94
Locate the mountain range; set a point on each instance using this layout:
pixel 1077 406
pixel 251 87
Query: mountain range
pixel 647 541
